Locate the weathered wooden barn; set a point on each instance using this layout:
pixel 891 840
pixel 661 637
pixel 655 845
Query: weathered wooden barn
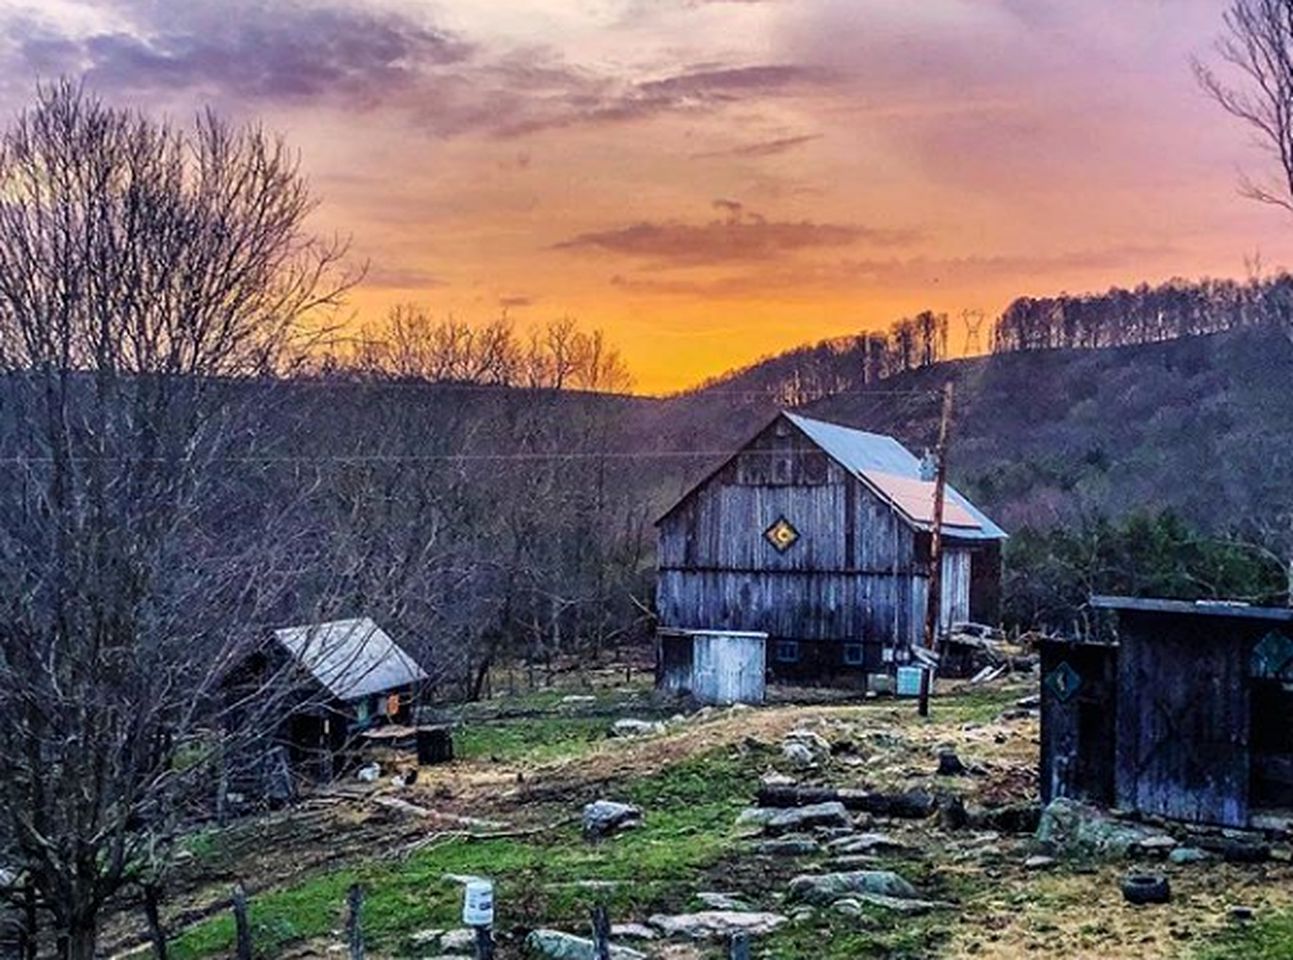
pixel 329 682
pixel 818 535
pixel 1187 712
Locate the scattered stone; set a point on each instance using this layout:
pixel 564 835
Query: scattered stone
pixel 805 749
pixel 427 938
pixel 952 814
pixel 1039 863
pixel 633 931
pixel 368 773
pixel 458 941
pixel 1029 703
pixel 1185 855
pixel 1158 845
pixel 950 765
pixel 795 819
pixel 855 861
pixel 555 945
pixel 774 779
pixel 717 924
pixel 908 805
pixel 1246 851
pixel 756 816
pixel 792 845
pixel 717 900
pixel 1069 826
pixel 1008 818
pixel 906 905
pixel 849 907
pixel 629 727
pixel 602 817
pixel 824 889
pixel 868 843
pixel 1241 914
pixel 576 698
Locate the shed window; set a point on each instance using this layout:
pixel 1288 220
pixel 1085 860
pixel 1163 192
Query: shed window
pixel 854 654
pixel 787 651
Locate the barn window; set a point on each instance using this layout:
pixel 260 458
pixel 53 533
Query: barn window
pixel 787 651
pixel 782 535
pixel 854 654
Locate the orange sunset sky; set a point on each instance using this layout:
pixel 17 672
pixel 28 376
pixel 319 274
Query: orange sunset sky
pixel 710 180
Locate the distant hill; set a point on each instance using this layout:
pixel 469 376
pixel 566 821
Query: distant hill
pixel 1202 425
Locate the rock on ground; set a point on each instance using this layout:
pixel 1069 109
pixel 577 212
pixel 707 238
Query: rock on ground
pixel 555 945
pixel 791 845
pixel 795 819
pixel 633 931
pixel 805 749
pixel 1068 826
pixel 716 924
pixel 602 817
pixel 868 843
pixel 1183 855
pixel 717 900
pixel 824 889
pixel 629 727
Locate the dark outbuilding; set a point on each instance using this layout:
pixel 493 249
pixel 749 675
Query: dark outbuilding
pixel 1186 714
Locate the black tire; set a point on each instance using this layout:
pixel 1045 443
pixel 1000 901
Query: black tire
pixel 1146 888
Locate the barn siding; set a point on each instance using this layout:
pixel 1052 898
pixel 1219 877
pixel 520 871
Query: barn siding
pixel 1183 723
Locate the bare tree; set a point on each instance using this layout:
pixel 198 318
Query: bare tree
pixel 1258 43
pixel 153 282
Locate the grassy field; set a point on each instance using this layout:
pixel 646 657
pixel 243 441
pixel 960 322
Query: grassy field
pixel 536 772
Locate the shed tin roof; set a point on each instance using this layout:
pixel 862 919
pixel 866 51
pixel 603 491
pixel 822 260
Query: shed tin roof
pixel 1193 608
pixel 351 658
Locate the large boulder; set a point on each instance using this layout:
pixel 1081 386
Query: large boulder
pixel 824 889
pixel 555 945
pixel 716 924
pixel 602 817
pixel 1068 826
pixel 796 819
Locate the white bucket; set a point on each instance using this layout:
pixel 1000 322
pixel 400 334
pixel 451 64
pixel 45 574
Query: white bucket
pixel 478 903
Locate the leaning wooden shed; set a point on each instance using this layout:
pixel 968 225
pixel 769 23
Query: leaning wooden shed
pixel 713 666
pixel 818 535
pixel 1187 714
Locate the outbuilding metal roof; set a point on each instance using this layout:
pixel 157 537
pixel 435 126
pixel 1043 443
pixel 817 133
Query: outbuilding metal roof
pixel 351 658
pixel 867 454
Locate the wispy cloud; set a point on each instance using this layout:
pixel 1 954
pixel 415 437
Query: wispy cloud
pixel 741 236
pixel 763 148
pixel 807 280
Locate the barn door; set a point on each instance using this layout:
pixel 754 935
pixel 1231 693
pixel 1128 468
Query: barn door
pixel 1183 727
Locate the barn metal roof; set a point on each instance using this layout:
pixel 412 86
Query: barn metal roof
pixel 351 658
pixel 866 454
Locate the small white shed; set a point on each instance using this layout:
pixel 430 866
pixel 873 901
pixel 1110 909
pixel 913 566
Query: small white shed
pixel 713 666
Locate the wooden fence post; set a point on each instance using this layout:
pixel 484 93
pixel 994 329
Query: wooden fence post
pixel 241 923
pixel 152 912
pixel 739 949
pixel 601 933
pixel 355 921
pixel 484 944
pixel 30 924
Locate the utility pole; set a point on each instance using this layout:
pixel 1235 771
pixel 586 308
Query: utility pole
pixel 934 603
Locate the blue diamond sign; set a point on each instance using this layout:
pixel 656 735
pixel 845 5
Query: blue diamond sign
pixel 1063 682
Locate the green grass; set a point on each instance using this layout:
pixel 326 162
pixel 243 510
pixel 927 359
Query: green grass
pixel 539 739
pixel 1268 938
pixel 690 814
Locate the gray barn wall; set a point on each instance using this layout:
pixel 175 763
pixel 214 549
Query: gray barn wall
pixel 855 574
